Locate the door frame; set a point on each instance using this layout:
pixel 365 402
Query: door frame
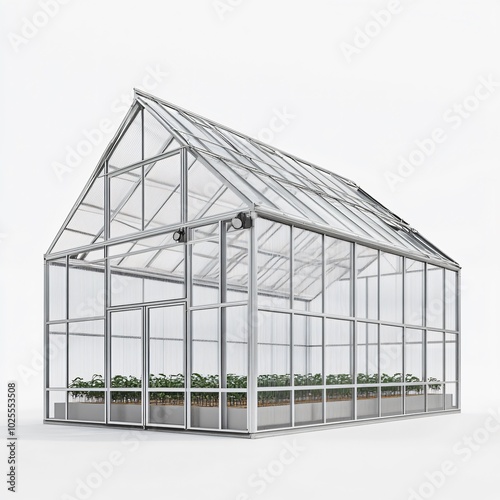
pixel 145 356
pixel 146 365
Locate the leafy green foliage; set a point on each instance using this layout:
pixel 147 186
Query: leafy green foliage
pixel 198 381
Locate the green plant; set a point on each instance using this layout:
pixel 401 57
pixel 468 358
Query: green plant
pixel 80 388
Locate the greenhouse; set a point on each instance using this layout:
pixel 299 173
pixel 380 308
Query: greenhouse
pixel 207 282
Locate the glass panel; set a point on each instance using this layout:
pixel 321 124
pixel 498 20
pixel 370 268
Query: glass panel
pixel 274 410
pixel 235 417
pixel 451 299
pixel 156 136
pixel 309 407
pixel 414 356
pixel 308 270
pixel 414 292
pixel 273 350
pixel 338 265
pixel 57 355
pixel 308 350
pixel 129 148
pixel 451 357
pixel 126 203
pixel 88 220
pixel 86 406
pixel 367 402
pixel 205 348
pixel 57 289
pixel 391 401
pixel 126 286
pixel 87 297
pixel 339 405
pixel 435 397
pixel 210 231
pixel 236 334
pixel 72 239
pixel 451 399
pixel 57 405
pixel 366 282
pixel 162 192
pixel 338 352
pixel 391 287
pixel 86 354
pixel 237 265
pixel 391 354
pixel 126 349
pixel 207 195
pixel 265 191
pixel 273 264
pixel 415 399
pixel 126 407
pixel 435 299
pixel 166 268
pixel 206 270
pixel 145 276
pixel 166 346
pixel 367 353
pixel 227 201
pixel 205 410
pixel 166 408
pixel 435 368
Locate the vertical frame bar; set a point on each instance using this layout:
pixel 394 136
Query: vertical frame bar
pixel 46 299
pixel 443 334
pixel 145 366
pixel 424 350
pixel 143 180
pixel 223 324
pixel 354 269
pixel 184 185
pixel 458 302
pixel 107 335
pixel 292 324
pixel 323 323
pixel 379 392
pixel 403 346
pixel 107 208
pixel 188 334
pixel 67 339
pixel 253 311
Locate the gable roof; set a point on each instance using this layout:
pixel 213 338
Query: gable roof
pixel 275 183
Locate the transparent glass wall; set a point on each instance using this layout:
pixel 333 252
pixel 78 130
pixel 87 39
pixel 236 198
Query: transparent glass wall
pixel 343 332
pixel 366 333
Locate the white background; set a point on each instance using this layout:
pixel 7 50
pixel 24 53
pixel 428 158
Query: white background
pixel 238 64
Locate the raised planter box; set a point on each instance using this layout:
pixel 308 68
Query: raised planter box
pixel 309 413
pixel 268 416
pixel 92 412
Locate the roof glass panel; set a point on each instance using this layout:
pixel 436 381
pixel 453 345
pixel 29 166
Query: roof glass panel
pixel 243 172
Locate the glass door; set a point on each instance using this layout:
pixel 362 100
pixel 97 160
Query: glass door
pixel 126 367
pixel 166 367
